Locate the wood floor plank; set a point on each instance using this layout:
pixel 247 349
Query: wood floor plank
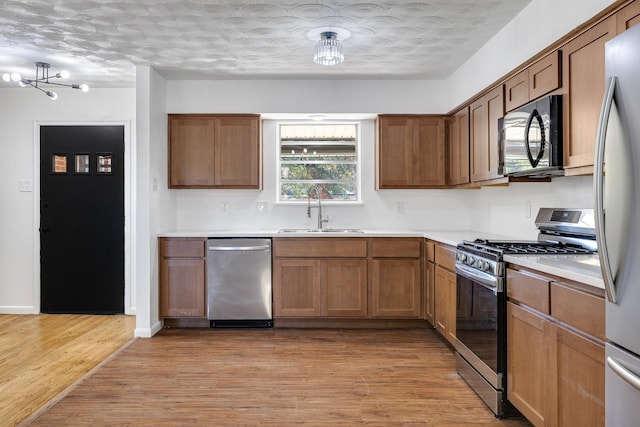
pixel 41 355
pixel 277 377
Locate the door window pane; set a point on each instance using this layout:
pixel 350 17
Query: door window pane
pixel 104 163
pixel 82 163
pixel 59 163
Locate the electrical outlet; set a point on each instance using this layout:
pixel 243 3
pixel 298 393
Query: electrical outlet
pixel 224 206
pixel 262 207
pixel 527 209
pixel 26 185
pixel 400 207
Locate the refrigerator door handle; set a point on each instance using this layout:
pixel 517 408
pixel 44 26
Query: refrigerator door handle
pixel 627 375
pixel 598 178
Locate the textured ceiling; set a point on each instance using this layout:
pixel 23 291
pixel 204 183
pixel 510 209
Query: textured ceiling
pixel 101 41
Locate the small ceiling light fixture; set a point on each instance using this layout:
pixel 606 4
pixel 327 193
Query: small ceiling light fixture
pixel 329 49
pixel 42 78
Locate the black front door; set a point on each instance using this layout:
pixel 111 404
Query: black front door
pixel 82 219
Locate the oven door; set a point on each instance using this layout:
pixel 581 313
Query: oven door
pixel 480 321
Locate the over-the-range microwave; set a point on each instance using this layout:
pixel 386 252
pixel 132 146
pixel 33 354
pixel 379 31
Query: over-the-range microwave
pixel 531 139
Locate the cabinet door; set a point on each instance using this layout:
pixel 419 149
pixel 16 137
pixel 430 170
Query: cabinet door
pixel 445 304
pixel 484 115
pixel 583 88
pixel 344 287
pixel 395 152
pixel 528 335
pixel 237 152
pixel 628 16
pixel 458 148
pixel 191 152
pixel 544 75
pixel 429 152
pixel 516 90
pixel 182 287
pixel 395 287
pixel 576 395
pixel 429 292
pixel 296 288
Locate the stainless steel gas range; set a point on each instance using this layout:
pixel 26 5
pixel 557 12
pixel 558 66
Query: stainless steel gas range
pixel 481 330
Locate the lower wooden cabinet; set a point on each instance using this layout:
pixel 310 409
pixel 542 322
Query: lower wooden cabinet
pixel 320 287
pixel 445 303
pixel 528 342
pixel 348 278
pixel 445 291
pixel 555 352
pixel 182 277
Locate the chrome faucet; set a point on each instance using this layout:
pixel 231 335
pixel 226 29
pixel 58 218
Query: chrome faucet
pixel 316 189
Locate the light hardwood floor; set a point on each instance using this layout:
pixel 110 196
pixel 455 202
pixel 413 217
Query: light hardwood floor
pixel 42 355
pixel 277 377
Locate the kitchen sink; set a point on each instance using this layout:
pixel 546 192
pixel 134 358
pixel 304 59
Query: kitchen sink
pixel 322 230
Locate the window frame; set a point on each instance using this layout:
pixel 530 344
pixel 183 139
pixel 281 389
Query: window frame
pixel 358 147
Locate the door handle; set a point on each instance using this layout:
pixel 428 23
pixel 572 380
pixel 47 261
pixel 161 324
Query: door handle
pixel 626 374
pixel 598 180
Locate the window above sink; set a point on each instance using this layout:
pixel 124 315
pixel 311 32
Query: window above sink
pixel 326 155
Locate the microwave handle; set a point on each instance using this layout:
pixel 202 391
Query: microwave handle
pixel 534 115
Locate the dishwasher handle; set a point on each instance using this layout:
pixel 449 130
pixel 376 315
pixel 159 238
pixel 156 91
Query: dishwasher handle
pixel 240 248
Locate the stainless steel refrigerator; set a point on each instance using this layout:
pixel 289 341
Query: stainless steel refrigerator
pixel 617 200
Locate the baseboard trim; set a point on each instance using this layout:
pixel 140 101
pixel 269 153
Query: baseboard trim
pixel 148 332
pixel 18 309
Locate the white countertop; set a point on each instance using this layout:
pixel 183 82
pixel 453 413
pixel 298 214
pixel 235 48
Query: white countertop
pixel 580 268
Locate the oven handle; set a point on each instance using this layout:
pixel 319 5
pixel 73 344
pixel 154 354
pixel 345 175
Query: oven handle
pixel 487 280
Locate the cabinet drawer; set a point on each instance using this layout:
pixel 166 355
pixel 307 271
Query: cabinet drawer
pixel 528 289
pixel 578 309
pixel 382 247
pixel 445 256
pixel 182 247
pixel 430 250
pixel 323 247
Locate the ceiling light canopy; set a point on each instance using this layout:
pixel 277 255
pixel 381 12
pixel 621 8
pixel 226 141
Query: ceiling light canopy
pixel 42 78
pixel 329 49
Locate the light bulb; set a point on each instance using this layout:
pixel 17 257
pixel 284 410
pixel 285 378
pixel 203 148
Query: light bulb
pixel 52 95
pixel 22 83
pixel 64 74
pixel 84 87
pixel 6 77
pixel 16 77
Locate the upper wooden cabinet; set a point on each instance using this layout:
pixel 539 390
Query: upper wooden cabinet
pixel 628 16
pixel 458 148
pixel 531 83
pixel 410 151
pixel 583 78
pixel 215 151
pixel 483 125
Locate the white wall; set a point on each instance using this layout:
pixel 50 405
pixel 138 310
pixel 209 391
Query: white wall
pixel 540 24
pixel 20 110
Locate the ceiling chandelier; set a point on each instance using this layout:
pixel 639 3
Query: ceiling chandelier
pixel 42 78
pixel 329 49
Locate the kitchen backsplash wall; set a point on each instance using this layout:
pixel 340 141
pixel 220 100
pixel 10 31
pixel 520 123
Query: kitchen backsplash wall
pixel 502 210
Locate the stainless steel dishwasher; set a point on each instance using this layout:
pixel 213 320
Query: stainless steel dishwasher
pixel 239 282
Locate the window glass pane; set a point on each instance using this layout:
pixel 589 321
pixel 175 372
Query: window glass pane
pixel 82 163
pixel 59 163
pixel 319 154
pixel 104 163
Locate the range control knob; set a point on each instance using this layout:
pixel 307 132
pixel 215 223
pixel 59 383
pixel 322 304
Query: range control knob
pixel 471 260
pixel 486 266
pixel 461 257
